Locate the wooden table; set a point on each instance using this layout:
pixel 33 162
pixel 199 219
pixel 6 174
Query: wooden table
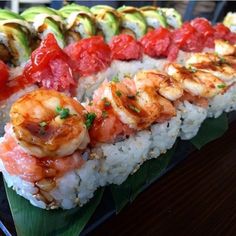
pixel 198 197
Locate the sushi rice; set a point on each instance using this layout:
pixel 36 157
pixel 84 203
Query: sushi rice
pixel 113 163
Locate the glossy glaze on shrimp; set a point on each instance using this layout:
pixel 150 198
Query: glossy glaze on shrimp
pixel 159 81
pixel 224 48
pixel 122 108
pixel 47 123
pixel 196 82
pixel 214 64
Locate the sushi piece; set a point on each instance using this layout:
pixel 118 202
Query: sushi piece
pixel 132 124
pixel 79 21
pixel 230 21
pixel 107 21
pixel 173 18
pixel 132 21
pixel 45 20
pixel 52 159
pixel 155 18
pixel 42 70
pixel 199 87
pixel 15 35
pixel 224 102
pixel 213 64
pixel 127 122
pixel 43 149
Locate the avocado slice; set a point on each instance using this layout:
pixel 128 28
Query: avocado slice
pixel 16 41
pixel 46 20
pixel 173 18
pixel 154 17
pixel 134 20
pixel 79 20
pixel 107 21
pixel 15 35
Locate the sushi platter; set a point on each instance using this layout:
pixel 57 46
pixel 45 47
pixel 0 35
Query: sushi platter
pixel 93 98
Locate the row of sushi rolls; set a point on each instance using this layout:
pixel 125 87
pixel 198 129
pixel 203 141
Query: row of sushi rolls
pixel 88 95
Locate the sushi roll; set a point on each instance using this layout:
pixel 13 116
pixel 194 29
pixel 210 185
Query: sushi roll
pixel 132 21
pixel 155 18
pixel 107 21
pixel 133 124
pixel 79 21
pixel 199 87
pixel 224 58
pixel 15 38
pixel 51 159
pixel 44 148
pixel 45 20
pixel 173 18
pixel 230 21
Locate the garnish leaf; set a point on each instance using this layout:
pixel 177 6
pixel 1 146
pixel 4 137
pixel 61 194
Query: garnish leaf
pixel 191 69
pixel 104 114
pixel 30 220
pixel 63 112
pixel 43 124
pixel 106 102
pixel 118 93
pixel 133 108
pixel 89 118
pixel 221 86
pixel 115 79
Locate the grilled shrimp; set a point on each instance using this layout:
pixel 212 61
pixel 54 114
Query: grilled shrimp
pixel 197 83
pixel 47 123
pixel 159 81
pixel 224 48
pixel 124 103
pixel 214 64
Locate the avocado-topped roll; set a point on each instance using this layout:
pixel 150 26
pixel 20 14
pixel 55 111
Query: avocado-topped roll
pixel 133 21
pixel 173 18
pixel 45 20
pixel 14 38
pixel 230 21
pixel 80 22
pixel 154 17
pixel 107 21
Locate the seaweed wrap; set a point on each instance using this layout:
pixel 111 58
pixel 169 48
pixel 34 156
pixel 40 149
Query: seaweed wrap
pixel 45 20
pixel 14 38
pixel 173 18
pixel 133 21
pixel 154 17
pixel 107 21
pixel 79 20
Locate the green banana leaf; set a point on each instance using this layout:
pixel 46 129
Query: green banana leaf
pixel 210 130
pixel 134 185
pixel 33 221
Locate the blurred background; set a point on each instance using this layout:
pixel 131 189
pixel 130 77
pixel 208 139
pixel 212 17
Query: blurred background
pixel 212 10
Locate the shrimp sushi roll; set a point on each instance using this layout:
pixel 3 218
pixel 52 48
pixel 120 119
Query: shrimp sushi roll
pixel 220 64
pixel 44 149
pixel 133 124
pixel 199 87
